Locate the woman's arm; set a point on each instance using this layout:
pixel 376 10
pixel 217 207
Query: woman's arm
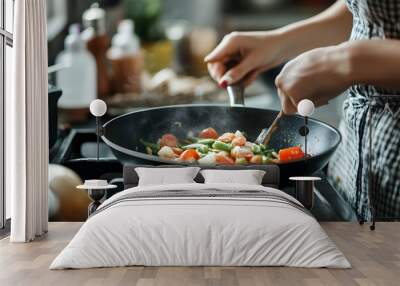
pixel 375 62
pixel 323 73
pixel 331 27
pixel 260 51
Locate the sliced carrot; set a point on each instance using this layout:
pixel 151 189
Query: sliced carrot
pixel 190 155
pixel 289 154
pixel 224 160
pixel 208 133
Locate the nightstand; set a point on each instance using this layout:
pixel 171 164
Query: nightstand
pixel 96 190
pixel 305 190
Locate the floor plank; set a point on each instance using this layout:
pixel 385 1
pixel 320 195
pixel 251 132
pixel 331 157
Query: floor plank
pixel 375 257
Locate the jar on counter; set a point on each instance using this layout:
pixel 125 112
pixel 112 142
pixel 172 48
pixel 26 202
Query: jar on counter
pixel 80 66
pixel 97 41
pixel 126 60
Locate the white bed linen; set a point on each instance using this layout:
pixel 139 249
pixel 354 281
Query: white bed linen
pixel 164 176
pixel 206 231
pixel 247 177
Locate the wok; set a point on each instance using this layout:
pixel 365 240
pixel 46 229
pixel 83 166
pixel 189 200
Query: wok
pixel 123 133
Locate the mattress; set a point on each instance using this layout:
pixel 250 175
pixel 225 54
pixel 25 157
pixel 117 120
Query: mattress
pixel 201 225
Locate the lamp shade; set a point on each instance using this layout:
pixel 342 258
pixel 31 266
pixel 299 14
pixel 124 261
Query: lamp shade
pixel 305 107
pixel 98 107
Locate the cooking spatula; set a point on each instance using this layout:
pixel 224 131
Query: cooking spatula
pixel 304 108
pixel 265 136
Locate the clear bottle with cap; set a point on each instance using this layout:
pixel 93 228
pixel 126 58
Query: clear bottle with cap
pixel 78 79
pixel 97 41
pixel 126 59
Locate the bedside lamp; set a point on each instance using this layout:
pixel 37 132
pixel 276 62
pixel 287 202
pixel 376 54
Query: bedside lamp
pixel 96 188
pixel 98 108
pixel 305 108
pixel 305 184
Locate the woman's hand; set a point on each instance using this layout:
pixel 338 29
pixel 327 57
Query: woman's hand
pixel 254 51
pixel 260 51
pixel 319 75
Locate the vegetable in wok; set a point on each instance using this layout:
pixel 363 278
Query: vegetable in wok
pixel 210 148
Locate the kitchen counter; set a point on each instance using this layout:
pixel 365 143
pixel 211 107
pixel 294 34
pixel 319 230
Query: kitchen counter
pixel 374 255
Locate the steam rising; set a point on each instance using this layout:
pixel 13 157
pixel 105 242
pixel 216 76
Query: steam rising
pixel 194 120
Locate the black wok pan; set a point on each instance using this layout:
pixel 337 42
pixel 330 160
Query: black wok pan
pixel 123 133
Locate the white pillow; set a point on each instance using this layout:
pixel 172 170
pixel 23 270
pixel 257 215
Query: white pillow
pixel 248 177
pixel 166 176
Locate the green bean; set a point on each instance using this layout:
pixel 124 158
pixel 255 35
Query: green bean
pixel 154 147
pixel 203 149
pixel 268 152
pixel 199 147
pixel 256 149
pixel 222 146
pixel 206 141
pixel 149 150
pixel 191 146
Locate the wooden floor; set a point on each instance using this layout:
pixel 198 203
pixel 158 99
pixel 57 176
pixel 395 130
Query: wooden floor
pixel 375 257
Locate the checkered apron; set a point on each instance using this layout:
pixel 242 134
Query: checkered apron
pixel 367 106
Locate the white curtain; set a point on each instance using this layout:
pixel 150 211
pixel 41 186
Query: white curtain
pixel 27 123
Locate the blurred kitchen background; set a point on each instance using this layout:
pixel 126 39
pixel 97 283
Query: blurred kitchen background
pixel 136 54
pixel 150 52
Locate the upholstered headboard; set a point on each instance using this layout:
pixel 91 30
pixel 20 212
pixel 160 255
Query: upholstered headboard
pixel 271 177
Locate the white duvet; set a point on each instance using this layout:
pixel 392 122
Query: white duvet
pixel 200 231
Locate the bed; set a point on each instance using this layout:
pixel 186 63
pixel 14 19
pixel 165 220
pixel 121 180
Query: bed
pixel 198 224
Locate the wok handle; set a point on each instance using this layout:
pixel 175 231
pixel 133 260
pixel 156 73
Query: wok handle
pixel 235 91
pixel 236 94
